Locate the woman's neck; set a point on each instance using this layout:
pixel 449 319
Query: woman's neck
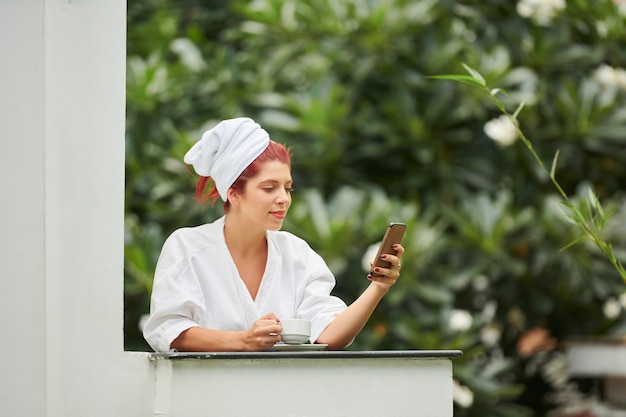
pixel 242 239
pixel 248 250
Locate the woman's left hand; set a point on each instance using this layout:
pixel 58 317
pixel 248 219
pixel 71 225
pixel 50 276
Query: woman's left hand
pixel 388 276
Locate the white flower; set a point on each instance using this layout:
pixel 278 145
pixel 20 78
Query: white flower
pixel 460 320
pixel 501 130
pixel 480 283
pixel 556 370
pixel 611 308
pixel 610 77
pixel 189 53
pixel 462 395
pixel 489 311
pixel 142 322
pixel 522 85
pixel 490 335
pixel 540 12
pixel 426 238
pixel 368 256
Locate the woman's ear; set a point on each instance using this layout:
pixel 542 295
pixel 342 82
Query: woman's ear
pixel 232 196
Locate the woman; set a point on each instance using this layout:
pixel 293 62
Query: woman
pixel 224 286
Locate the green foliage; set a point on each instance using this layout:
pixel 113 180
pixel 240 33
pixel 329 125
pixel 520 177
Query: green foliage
pixel 348 85
pixel 590 218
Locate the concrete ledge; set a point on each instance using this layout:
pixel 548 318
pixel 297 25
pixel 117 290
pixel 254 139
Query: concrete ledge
pixel 325 354
pixel 305 384
pixel 597 357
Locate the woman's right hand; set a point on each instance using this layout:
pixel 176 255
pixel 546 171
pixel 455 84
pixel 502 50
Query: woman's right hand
pixel 264 333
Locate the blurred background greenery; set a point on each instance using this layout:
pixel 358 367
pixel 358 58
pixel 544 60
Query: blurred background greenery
pixel 345 84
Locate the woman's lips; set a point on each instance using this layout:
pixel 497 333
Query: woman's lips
pixel 278 214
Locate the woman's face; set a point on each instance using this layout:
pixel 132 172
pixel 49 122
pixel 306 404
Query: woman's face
pixel 267 196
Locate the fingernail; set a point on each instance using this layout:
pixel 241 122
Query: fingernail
pixel 376 269
pixel 383 256
pixel 369 276
pixel 394 246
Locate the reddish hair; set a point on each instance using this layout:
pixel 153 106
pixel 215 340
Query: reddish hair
pixel 273 152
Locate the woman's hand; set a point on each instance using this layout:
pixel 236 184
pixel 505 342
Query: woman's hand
pixel 388 276
pixel 264 333
pixel 344 328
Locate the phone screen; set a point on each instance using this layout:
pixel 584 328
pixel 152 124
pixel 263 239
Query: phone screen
pixel 393 235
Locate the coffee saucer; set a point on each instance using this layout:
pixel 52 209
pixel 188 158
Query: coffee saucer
pixel 284 347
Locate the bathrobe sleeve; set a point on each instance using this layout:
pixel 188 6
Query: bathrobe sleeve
pixel 306 279
pixel 176 303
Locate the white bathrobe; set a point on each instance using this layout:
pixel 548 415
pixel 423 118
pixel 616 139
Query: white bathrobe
pixel 196 283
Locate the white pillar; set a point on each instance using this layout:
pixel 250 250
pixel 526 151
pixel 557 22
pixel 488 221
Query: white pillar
pixel 22 217
pixel 62 105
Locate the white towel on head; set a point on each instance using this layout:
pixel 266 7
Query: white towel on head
pixel 225 151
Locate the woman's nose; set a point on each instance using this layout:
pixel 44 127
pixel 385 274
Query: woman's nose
pixel 283 197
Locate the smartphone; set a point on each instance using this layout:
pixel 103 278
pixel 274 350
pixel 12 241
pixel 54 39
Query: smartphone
pixel 393 235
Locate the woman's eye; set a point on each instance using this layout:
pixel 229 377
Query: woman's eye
pixel 271 189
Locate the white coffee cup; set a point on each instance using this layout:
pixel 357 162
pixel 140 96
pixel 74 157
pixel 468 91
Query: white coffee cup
pixel 295 331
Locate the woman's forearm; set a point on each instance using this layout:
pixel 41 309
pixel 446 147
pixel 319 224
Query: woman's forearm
pixel 347 325
pixel 263 334
pixel 198 339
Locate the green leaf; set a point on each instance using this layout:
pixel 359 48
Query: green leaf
pixel 498 90
pixel 518 110
pixel 553 167
pixel 475 74
pixel 466 79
